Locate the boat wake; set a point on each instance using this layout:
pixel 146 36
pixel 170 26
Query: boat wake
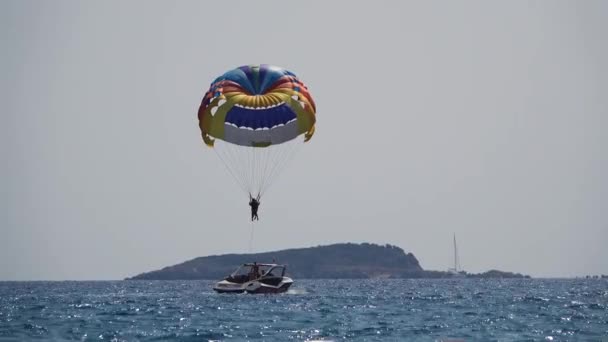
pixel 297 291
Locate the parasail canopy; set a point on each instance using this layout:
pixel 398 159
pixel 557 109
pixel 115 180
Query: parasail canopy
pixel 251 116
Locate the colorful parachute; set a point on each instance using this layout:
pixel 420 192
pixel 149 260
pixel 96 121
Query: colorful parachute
pixel 251 116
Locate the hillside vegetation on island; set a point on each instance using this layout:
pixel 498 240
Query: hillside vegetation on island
pixel 338 261
pixel 346 260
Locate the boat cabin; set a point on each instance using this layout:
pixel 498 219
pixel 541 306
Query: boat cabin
pixel 253 271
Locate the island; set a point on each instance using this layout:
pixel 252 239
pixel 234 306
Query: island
pixel 337 261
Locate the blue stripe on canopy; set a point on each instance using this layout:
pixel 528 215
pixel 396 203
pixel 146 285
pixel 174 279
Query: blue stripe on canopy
pixel 262 76
pixel 271 75
pixel 240 77
pixel 260 118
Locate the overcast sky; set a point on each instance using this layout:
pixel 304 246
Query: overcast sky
pixel 484 119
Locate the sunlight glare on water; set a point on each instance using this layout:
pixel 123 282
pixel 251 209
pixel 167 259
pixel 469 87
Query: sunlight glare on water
pixel 313 310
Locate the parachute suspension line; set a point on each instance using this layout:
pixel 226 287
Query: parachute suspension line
pixel 238 164
pixel 279 163
pixel 223 150
pixel 269 165
pixel 262 160
pixel 238 182
pixel 280 149
pixel 251 169
pixel 287 157
pixel 255 173
pixel 273 161
pixel 255 169
pixel 241 163
pixel 282 161
pixel 251 159
pixel 265 154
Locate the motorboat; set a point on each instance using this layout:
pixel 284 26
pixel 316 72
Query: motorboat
pixel 255 278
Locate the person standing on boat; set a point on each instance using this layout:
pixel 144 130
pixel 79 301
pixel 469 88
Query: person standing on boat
pixel 254 273
pixel 254 203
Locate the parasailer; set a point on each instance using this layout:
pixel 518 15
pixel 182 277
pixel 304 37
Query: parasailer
pixel 252 116
pixel 254 203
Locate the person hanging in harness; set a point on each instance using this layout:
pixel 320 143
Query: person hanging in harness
pixel 254 203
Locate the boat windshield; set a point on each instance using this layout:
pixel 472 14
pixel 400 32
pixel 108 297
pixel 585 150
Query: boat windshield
pixel 275 271
pixel 241 271
pixel 255 271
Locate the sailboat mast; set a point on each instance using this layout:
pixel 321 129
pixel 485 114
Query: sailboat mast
pixel 455 254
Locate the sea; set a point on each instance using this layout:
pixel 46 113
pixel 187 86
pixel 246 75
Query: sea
pixel 312 310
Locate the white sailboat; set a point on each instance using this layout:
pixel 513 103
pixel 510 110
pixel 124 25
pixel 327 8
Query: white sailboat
pixel 456 271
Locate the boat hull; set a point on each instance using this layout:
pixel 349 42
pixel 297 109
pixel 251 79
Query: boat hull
pixel 253 287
